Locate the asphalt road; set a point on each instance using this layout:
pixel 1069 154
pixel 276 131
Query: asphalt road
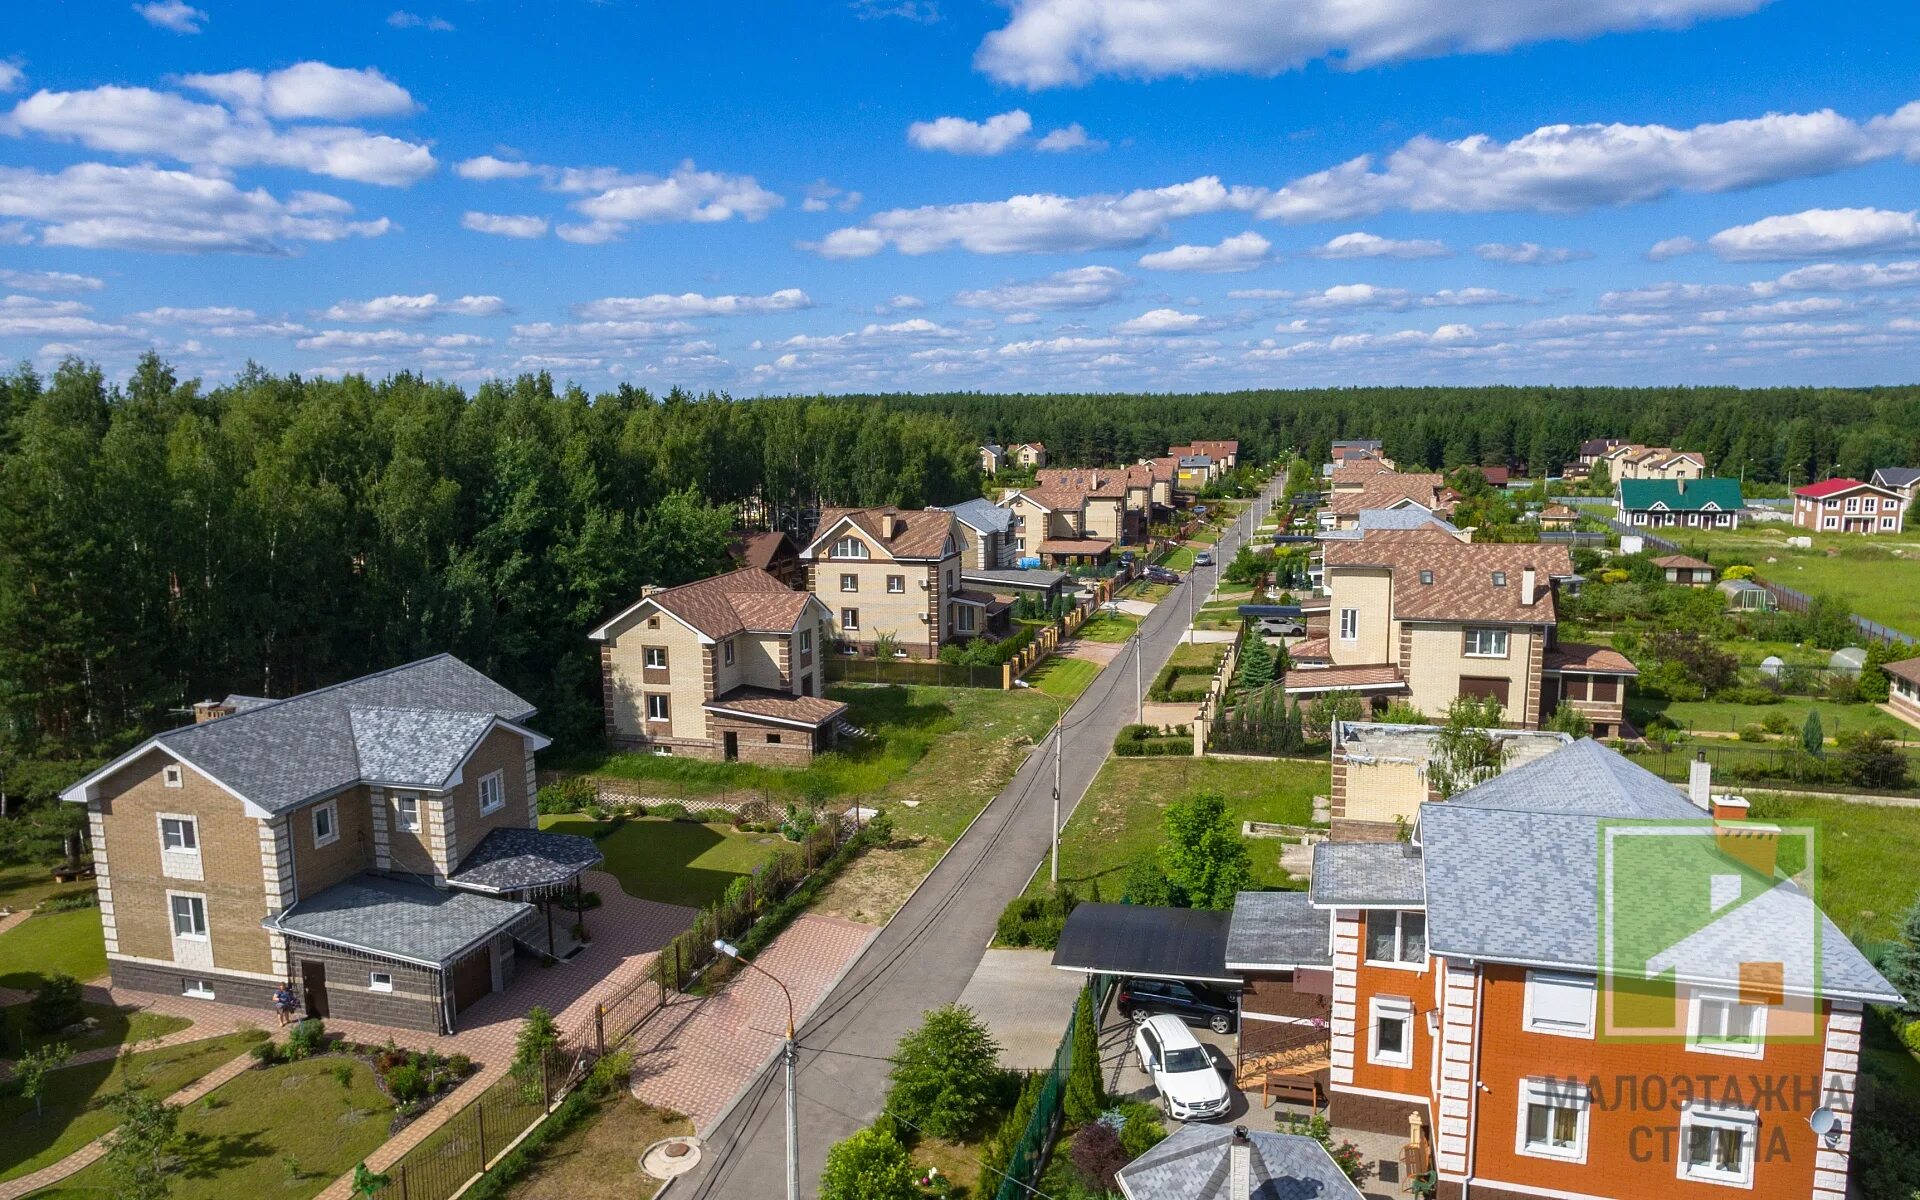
pixel 925 956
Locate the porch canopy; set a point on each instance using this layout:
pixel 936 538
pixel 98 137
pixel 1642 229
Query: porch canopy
pixel 1146 942
pixel 397 918
pixel 776 707
pixel 517 860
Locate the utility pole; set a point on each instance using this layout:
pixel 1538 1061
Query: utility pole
pixel 792 1056
pixel 1059 735
pixel 1139 696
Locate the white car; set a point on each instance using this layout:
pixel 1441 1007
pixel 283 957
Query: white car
pixel 1190 1086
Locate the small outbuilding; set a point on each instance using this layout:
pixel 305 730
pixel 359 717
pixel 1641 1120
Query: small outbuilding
pixel 1744 595
pixel 1848 661
pixel 1685 570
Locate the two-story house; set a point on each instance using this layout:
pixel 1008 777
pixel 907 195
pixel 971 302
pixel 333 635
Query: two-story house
pixel 1902 481
pixel 993 456
pixel 895 573
pixel 1713 503
pixel 1029 455
pixel 1587 985
pixel 1424 490
pixel 1079 519
pixel 986 535
pixel 1222 455
pixel 1629 460
pixel 723 668
pixel 1848 506
pixel 373 843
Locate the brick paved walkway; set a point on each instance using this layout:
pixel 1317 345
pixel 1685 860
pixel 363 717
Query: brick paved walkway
pixel 695 1055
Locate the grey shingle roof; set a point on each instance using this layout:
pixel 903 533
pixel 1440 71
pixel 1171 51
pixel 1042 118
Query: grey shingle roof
pixel 1035 579
pixel 282 753
pixel 983 515
pixel 1192 1164
pixel 1896 477
pixel 1511 885
pixel 509 859
pixel 1585 777
pixel 1277 929
pixel 400 918
pixel 414 747
pixel 1367 874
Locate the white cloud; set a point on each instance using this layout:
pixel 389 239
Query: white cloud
pixel 1260 294
pixel 1471 297
pixel 486 166
pixel 1818 233
pixel 1357 295
pixel 142 121
pixel 1068 138
pixel 900 303
pixel 214 315
pixel 1529 254
pixel 1367 245
pixel 309 90
pixel 1048 43
pixel 11 76
pixel 1671 248
pixel 31 316
pixel 1241 252
pixel 49 281
pixel 1077 288
pixel 171 15
pixel 957 135
pixel 96 206
pixel 613 199
pixel 414 308
pixel 1162 322
pixel 691 304
pixel 384 339
pixel 504 225
pixel 821 196
pixel 599 333
pixel 401 19
pixel 1838 277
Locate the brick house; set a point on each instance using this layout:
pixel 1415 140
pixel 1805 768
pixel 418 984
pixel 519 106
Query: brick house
pixel 1685 570
pixel 1031 455
pixel 1629 460
pixel 986 535
pixel 722 669
pixel 993 456
pixel 1679 503
pixel 1848 506
pixel 1078 516
pixel 1358 487
pixel 891 571
pixel 1903 688
pixel 773 553
pixel 372 844
pixel 1469 996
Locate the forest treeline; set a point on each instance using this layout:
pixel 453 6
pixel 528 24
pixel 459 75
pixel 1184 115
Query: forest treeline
pixel 161 542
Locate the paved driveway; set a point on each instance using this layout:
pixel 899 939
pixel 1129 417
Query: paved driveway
pixel 1026 1002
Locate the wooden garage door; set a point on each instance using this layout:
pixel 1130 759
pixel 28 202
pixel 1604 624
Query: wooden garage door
pixel 472 978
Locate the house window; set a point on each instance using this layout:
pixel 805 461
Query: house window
pixel 380 981
pixel 653 622
pixel 493 792
pixel 1426 577
pixel 964 613
pixel 1887 522
pixel 1720 1024
pixel 1830 522
pixel 326 825
pixel 1396 937
pixel 806 641
pixel 1349 624
pixel 407 813
pixel 189 916
pixel 1559 1004
pixel 896 584
pixel 180 835
pixel 1553 1120
pixel 849 618
pixel 726 651
pixel 773 739
pixel 849 547
pixel 1853 504
pixel 1716 1145
pixel 656 658
pixel 1390 1032
pixel 199 989
pixel 1499 579
pixel 657 709
pixel 849 583
pixel 1486 642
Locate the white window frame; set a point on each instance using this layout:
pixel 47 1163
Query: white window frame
pixel 1744 1120
pixel 1349 624
pixel 192 825
pixel 1697 1003
pixel 853 625
pixel 1830 522
pixel 173 775
pixel 401 821
pixel 331 810
pixel 963 618
pixel 1399 959
pixel 727 652
pixel 196 914
pixel 806 641
pixel 849 547
pixel 196 989
pixel 1472 646
pixel 1553 1094
pixel 896 585
pixel 653 652
pixel 495 782
pixel 666 710
pixel 1533 1024
pixel 1392 1008
pixel 849 582
pixel 380 981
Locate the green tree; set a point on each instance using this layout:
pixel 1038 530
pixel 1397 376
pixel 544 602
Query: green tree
pixel 1086 1095
pixel 1205 861
pixel 1901 965
pixel 1256 666
pixel 1569 720
pixel 870 1165
pixel 31 1069
pixel 534 1050
pixel 1812 738
pixel 1465 750
pixel 945 1073
pixel 140 1150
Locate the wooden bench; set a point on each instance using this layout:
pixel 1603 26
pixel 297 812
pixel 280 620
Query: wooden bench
pixel 1289 1088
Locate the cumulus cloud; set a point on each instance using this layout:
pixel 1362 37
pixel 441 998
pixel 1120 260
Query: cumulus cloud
pixel 1068 138
pixel 31 316
pixel 1164 322
pixel 1367 245
pixel 600 333
pixel 1049 43
pixel 821 196
pixel 11 76
pixel 957 135
pixel 171 15
pixel 49 281
pixel 1241 252
pixel 401 19
pixel 612 200
pixel 1076 288
pixel 1529 254
pixel 1818 233
pixel 1673 247
pixel 503 225
pixel 388 339
pixel 308 90
pixel 691 304
pixel 1467 298
pixel 1357 295
pixel 423 307
pixel 96 206
pixel 900 303
pixel 487 167
pixel 211 315
pixel 1851 277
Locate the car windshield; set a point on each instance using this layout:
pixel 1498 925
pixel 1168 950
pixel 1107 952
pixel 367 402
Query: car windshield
pixel 1187 1058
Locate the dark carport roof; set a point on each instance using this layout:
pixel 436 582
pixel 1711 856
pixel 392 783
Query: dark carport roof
pixel 399 919
pixel 1142 940
pixel 1278 931
pixel 510 859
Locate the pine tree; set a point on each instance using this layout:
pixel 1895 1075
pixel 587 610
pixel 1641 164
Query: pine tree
pixel 1812 738
pixel 1086 1097
pixel 1256 666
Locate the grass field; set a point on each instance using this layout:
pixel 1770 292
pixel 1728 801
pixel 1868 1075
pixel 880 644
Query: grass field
pixel 1119 821
pixel 1143 589
pixel 1109 627
pixel 674 862
pixel 285 1131
pixel 1876 583
pixel 69 941
pixel 1180 558
pixel 24 885
pixel 1869 854
pixel 599 1158
pixel 1730 718
pixel 73 1117
pixel 1063 678
pixel 117 1027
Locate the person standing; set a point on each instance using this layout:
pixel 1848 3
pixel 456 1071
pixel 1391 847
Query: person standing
pixel 285 1003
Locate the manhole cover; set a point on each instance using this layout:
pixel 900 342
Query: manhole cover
pixel 670 1157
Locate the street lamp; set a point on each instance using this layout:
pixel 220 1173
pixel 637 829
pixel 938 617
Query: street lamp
pixel 792 1054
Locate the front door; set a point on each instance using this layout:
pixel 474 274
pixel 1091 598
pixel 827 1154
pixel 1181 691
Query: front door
pixel 730 745
pixel 313 987
pixel 472 978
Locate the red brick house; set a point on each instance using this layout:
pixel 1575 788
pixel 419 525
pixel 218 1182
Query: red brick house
pixel 1848 506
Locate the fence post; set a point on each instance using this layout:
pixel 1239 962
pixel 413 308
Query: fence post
pixel 480 1119
pixel 546 1082
pixel 600 1030
pixel 403 1181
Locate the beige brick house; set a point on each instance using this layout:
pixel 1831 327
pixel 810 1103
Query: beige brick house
pixel 371 843
pixel 893 572
pixel 724 668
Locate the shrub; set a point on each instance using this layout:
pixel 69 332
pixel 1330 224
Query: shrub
pixel 567 795
pixel 1737 571
pixel 1147 883
pixel 1138 1124
pixel 945 1073
pixel 669 810
pixel 1098 1153
pixel 406 1083
pixel 1086 1093
pixel 265 1053
pixel 1347 1156
pixel 1753 733
pixel 1872 761
pixel 343 1074
pixel 1036 920
pixel 1776 724
pixel 55 1004
pixel 1842 689
pixel 870 1165
pixel 713 816
pixel 306 1039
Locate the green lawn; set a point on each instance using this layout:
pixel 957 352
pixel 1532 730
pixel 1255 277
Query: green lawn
pixel 1206 535
pixel 1869 858
pixel 118 1026
pixel 1063 678
pixel 68 941
pixel 1143 589
pixel 1876 583
pixel 1714 715
pixel 285 1131
pixel 674 862
pixel 1119 820
pixel 1109 627
pixel 1180 558
pixel 73 1116
pixel 24 885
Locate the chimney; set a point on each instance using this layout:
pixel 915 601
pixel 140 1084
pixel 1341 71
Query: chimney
pixel 1730 808
pixel 889 523
pixel 210 710
pixel 1240 1165
pixel 648 589
pixel 1527 580
pixel 1681 484
pixel 1700 782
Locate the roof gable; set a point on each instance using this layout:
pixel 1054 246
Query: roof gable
pixel 1713 493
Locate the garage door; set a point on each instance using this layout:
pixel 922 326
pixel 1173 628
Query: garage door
pixel 472 978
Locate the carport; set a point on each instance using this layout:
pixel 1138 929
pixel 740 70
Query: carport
pixel 1146 942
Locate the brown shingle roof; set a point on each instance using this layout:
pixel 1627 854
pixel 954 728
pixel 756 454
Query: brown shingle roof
pixel 724 605
pixel 1358 470
pixel 918 533
pixel 1384 491
pixel 1683 561
pixel 1463 587
pixel 1373 676
pixel 1907 669
pixel 1558 512
pixel 765 704
pixel 1583 659
pixel 1075 546
pixel 760 549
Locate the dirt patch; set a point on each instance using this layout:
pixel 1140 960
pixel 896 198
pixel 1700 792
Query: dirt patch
pixel 600 1160
pixel 873 887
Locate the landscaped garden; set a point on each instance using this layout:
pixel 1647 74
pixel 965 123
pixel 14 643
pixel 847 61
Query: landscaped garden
pixel 668 860
pixel 1063 678
pixel 1873 574
pixel 1108 627
pixel 45 944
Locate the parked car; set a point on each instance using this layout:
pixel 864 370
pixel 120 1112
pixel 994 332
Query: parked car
pixel 1203 559
pixel 1194 1003
pixel 1281 627
pixel 1182 1071
pixel 1162 575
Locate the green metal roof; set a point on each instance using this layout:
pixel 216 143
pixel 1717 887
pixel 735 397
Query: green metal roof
pixel 1691 495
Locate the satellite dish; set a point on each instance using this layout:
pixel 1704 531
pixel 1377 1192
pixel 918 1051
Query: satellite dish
pixel 1823 1120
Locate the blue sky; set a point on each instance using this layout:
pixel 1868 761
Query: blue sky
pixel 932 194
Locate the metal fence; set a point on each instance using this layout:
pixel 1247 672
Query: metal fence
pixel 924 672
pixel 1790 600
pixel 1029 1157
